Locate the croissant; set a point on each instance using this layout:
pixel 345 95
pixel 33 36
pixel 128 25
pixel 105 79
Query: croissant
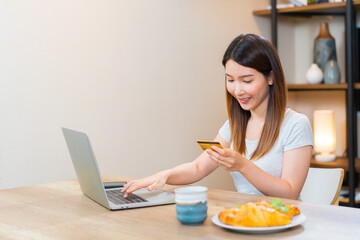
pixel 257 215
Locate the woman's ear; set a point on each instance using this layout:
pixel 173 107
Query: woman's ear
pixel 270 78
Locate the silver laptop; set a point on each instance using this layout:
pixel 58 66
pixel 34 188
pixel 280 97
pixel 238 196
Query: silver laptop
pixel 87 171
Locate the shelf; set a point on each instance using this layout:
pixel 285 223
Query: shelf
pixel 320 87
pixel 345 199
pixel 314 8
pixel 317 87
pixel 340 162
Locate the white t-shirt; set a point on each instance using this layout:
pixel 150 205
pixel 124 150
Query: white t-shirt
pixel 295 132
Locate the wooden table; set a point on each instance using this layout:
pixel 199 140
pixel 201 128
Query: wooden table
pixel 60 211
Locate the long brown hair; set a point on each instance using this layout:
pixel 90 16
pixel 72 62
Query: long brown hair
pixel 255 52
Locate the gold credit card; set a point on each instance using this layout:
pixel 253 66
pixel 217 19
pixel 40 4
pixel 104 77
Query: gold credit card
pixel 208 144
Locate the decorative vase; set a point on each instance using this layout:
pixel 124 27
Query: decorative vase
pixel 324 47
pixel 314 75
pixel 332 72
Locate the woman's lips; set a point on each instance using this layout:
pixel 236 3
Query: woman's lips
pixel 244 100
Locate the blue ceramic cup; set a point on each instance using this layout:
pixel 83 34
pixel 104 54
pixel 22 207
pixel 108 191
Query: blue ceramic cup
pixel 191 204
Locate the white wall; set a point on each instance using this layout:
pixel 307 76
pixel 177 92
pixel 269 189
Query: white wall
pixel 142 78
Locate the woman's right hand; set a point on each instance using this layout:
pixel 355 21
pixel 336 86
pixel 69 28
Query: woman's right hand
pixel 152 182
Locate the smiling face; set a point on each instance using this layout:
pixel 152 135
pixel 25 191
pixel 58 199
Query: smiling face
pixel 248 86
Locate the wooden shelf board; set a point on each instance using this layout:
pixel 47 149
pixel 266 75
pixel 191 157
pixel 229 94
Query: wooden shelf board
pixel 340 162
pixel 318 8
pixel 316 87
pixel 321 87
pixel 346 200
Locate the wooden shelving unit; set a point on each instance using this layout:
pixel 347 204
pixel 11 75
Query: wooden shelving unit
pixel 352 86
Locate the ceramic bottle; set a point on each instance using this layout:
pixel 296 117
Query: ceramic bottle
pixel 332 72
pixel 324 47
pixel 314 74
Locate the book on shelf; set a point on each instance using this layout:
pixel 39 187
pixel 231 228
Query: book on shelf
pixel 282 5
pixel 299 2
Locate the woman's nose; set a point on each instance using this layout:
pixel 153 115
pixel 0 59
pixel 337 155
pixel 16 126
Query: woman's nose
pixel 238 89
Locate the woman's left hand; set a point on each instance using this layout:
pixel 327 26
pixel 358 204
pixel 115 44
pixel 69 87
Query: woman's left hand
pixel 229 159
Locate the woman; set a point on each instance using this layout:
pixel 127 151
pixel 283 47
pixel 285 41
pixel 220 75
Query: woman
pixel 267 147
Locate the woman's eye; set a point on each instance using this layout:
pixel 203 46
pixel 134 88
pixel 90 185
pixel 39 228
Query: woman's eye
pixel 230 80
pixel 248 81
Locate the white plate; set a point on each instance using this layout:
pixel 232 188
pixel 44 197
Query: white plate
pixel 294 222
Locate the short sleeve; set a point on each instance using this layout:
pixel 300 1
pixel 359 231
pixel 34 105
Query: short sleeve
pixel 225 131
pixel 299 134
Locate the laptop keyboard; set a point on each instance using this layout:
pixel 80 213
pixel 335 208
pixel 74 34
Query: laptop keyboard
pixel 117 197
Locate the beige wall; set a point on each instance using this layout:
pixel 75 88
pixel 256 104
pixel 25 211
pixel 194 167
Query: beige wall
pixel 142 78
